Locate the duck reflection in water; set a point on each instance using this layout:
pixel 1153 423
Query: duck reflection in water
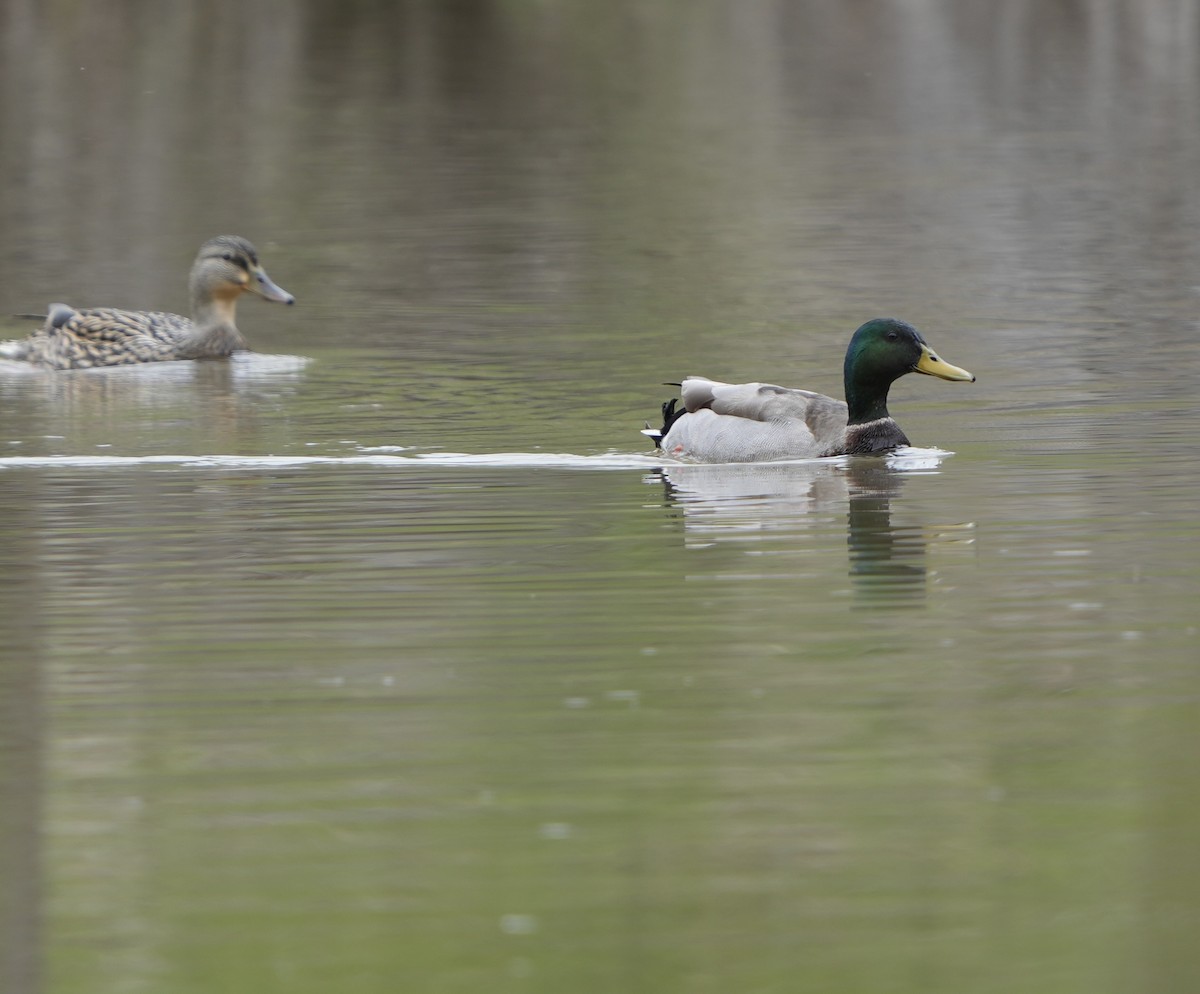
pixel 887 561
pixel 746 504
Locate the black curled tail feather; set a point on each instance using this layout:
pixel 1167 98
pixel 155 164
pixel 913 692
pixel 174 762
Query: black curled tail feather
pixel 670 414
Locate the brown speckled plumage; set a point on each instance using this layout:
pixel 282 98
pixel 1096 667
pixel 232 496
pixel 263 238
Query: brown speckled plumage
pixel 226 267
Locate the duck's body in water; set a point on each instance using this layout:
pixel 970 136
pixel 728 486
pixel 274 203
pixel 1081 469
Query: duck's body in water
pixel 226 267
pixel 758 422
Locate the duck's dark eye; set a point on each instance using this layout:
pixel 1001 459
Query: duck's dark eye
pixel 227 256
pixel 892 336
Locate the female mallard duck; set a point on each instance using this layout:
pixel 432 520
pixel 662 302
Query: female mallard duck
pixel 753 422
pixel 226 267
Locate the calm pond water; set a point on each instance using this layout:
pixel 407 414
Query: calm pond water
pixel 390 658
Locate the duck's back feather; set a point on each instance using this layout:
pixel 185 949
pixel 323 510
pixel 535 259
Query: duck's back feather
pixel 760 401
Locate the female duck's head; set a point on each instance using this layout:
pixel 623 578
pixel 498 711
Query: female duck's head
pixel 227 267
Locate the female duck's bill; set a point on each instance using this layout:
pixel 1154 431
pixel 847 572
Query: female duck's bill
pixel 268 289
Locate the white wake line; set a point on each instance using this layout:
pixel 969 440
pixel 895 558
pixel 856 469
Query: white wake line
pixel 498 460
pixel 912 459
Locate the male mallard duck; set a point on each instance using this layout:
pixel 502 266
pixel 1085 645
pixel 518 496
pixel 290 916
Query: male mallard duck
pixel 753 422
pixel 226 267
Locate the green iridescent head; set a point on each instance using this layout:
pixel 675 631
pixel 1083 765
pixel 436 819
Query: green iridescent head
pixel 882 351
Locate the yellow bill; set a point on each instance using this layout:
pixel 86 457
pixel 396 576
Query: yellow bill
pixel 931 364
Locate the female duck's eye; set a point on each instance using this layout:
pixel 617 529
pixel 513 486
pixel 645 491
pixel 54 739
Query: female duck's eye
pixel 227 256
